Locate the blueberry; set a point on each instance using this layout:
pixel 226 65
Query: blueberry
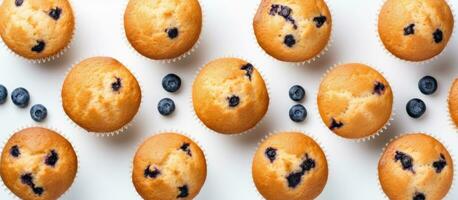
pixel 38 113
pixel 14 151
pixel 172 32
pixel 289 40
pixel 166 106
pixel 185 148
pixel 19 2
pixel 427 85
pixel 419 196
pixel 438 36
pixel 184 191
pixel 307 164
pixel 52 158
pixel 117 84
pixel 319 21
pixel 409 30
pixel 285 11
pixel 233 101
pixel 248 70
pixel 406 160
pixel 55 13
pixel 3 94
pixel 39 47
pixel 416 108
pixel 151 174
pixel 20 97
pixel 379 88
pixel 335 124
pixel 38 190
pixel 171 83
pixel 294 179
pixel 27 179
pixel 440 164
pixel 271 153
pixel 297 93
pixel 297 113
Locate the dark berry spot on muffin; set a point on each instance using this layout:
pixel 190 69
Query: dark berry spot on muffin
pixel 15 152
pixel 185 148
pixel 39 47
pixel 319 21
pixel 406 161
pixel 233 101
pixel 116 86
pixel 438 36
pixel 38 190
pixel 183 191
pixel 172 33
pixel 289 40
pixel 55 13
pixel 271 153
pixel 419 196
pixel 409 30
pixel 294 178
pixel 151 174
pixel 19 2
pixel 52 158
pixel 379 88
pixel 335 124
pixel 440 164
pixel 27 179
pixel 248 70
pixel 283 11
pixel 307 164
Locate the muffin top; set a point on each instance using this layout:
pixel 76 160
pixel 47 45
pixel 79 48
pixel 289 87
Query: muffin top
pixel 415 30
pixel 163 29
pixel 453 102
pixel 169 166
pixel 293 30
pixel 230 96
pixel 289 165
pixel 100 95
pixel 355 101
pixel 38 163
pixel 36 29
pixel 415 166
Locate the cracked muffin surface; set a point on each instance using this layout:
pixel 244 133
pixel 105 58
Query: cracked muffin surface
pixel 354 100
pixel 415 30
pixel 289 165
pixel 415 166
pixel 229 96
pixel 38 163
pixel 169 166
pixel 163 29
pixel 293 30
pixel 36 29
pixel 101 95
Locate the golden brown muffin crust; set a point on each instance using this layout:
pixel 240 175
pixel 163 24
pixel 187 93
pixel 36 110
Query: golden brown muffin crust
pixel 424 176
pixel 222 79
pixel 453 102
pixel 175 160
pixel 90 99
pixel 21 27
pixel 35 145
pixel 292 149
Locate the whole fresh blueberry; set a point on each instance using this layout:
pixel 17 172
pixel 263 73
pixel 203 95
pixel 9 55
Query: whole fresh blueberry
pixel 297 93
pixel 427 85
pixel 20 97
pixel 171 83
pixel 298 113
pixel 416 108
pixel 3 94
pixel 38 112
pixel 166 106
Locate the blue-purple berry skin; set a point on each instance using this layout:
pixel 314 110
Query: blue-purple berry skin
pixel 298 113
pixel 297 93
pixel 20 97
pixel 427 85
pixel 3 94
pixel 171 83
pixel 166 106
pixel 38 112
pixel 416 108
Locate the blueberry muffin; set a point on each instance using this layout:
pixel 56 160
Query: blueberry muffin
pixel 289 165
pixel 293 31
pixel 415 166
pixel 453 102
pixel 169 166
pixel 36 29
pixel 38 163
pixel 101 95
pixel 230 96
pixel 415 30
pixel 163 29
pixel 355 101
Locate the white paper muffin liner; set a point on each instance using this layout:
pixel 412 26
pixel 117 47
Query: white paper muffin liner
pixel 323 148
pixel 266 82
pixel 446 146
pixel 387 52
pixel 163 61
pixel 372 136
pixel 52 57
pixel 204 151
pixel 450 119
pixel 75 149
pixel 309 61
pixel 102 134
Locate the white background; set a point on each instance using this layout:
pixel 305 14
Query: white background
pixel 104 171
